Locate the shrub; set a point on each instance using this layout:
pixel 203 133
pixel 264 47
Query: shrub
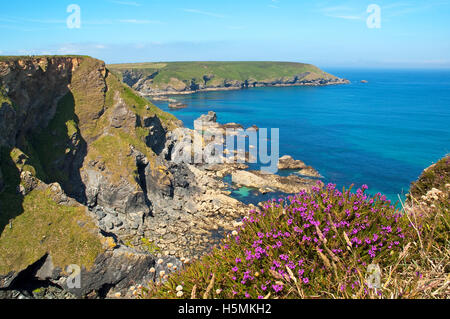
pixel 316 244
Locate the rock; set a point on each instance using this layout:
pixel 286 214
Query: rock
pixel 177 105
pixel 122 116
pixel 364 81
pixel 287 162
pixel 2 183
pixel 267 182
pixel 191 83
pixel 310 172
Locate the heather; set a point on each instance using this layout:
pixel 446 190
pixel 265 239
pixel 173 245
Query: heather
pixel 316 245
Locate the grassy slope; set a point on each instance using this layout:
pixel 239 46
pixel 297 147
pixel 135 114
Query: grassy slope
pixel 39 224
pixel 413 252
pixel 240 71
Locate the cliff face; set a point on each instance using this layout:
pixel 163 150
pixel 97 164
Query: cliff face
pixel 72 137
pixel 86 170
pixel 191 77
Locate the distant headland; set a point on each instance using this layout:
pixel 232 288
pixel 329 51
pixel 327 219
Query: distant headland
pixel 189 77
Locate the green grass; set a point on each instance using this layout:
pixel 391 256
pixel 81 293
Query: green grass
pixel 65 232
pixel 39 224
pixel 436 176
pixel 220 71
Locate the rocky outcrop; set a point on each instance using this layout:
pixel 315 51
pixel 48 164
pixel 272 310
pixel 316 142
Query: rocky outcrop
pixel 270 182
pixel 145 82
pixel 31 83
pixel 82 144
pixel 287 162
pixel 310 172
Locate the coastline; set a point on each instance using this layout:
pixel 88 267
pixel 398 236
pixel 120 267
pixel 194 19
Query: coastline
pixel 237 88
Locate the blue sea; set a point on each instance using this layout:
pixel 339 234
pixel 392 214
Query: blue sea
pixel 382 133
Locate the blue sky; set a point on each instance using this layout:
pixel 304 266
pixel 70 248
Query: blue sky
pixel 326 33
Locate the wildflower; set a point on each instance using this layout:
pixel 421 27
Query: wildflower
pixel 179 288
pixel 234 233
pixel 179 294
pixel 235 269
pixel 169 265
pixel 162 273
pixel 218 291
pixel 160 261
pixel 277 288
pixel 305 280
pixel 152 270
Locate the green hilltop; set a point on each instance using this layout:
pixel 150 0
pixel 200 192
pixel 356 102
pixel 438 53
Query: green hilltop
pixel 168 77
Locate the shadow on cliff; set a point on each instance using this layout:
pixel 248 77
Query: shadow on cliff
pixel 62 149
pixel 10 199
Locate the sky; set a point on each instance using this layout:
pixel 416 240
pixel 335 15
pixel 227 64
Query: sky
pixel 334 33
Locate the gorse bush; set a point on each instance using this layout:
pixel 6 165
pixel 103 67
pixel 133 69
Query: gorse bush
pixel 317 244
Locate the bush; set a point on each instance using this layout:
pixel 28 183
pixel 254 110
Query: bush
pixel 317 244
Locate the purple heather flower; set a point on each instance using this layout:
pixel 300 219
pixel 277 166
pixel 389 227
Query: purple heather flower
pixel 277 288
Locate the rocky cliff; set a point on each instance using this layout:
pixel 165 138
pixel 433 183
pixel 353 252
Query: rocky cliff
pixel 89 176
pixel 191 77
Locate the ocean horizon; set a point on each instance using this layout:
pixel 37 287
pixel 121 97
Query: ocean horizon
pixel 383 133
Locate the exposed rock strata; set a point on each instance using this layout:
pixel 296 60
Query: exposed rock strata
pixel 145 84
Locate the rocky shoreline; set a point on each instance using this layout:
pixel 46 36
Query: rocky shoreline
pixel 148 212
pixel 146 86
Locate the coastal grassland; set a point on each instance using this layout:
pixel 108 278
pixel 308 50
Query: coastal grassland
pixel 321 245
pixel 217 72
pixel 435 176
pixel 34 224
pixel 65 232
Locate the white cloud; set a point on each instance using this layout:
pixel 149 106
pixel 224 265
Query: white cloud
pixel 134 21
pixel 127 3
pixel 206 13
pixel 344 12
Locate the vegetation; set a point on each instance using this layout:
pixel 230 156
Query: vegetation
pixel 435 176
pixel 321 245
pixel 65 232
pixel 217 72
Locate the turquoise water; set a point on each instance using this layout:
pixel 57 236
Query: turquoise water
pixel 383 133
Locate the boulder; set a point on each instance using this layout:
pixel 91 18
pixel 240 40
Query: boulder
pixel 270 182
pixel 310 172
pixel 287 162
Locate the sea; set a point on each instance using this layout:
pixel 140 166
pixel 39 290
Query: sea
pixel 382 133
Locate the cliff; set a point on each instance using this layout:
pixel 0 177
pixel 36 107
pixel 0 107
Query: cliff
pixel 190 77
pixel 87 177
